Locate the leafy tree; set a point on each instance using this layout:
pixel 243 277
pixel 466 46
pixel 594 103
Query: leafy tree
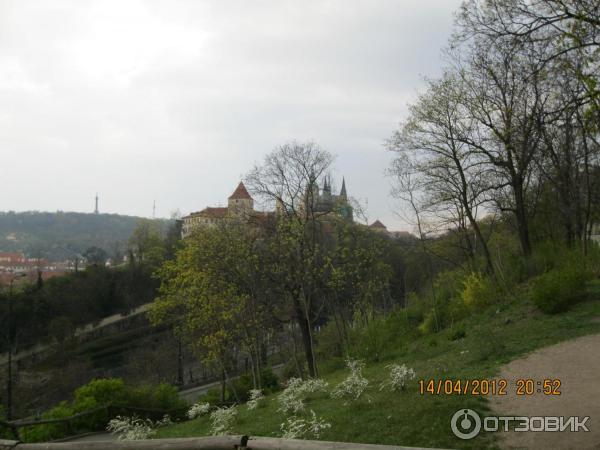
pixel 95 255
pixel 214 294
pixel 147 247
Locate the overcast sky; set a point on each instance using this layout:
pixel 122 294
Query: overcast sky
pixel 175 100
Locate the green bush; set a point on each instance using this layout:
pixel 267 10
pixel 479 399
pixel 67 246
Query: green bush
pixel 371 341
pixel 91 422
pixel 559 289
pixel 48 432
pixel 329 341
pixel 478 291
pixel 270 382
pixel 161 397
pixel 448 284
pixel 238 388
pixel 103 391
pixel 430 322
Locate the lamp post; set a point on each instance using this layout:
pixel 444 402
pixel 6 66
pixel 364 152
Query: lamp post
pixel 9 340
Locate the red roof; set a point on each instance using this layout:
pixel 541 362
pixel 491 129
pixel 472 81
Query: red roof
pixel 378 224
pixel 217 213
pixel 240 192
pixel 12 256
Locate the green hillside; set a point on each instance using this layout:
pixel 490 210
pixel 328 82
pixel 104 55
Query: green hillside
pixel 474 348
pixel 55 235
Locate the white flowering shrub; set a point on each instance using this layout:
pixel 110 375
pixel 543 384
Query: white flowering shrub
pixel 198 409
pixel 355 384
pixel 291 400
pixel 256 396
pixel 222 420
pixel 399 376
pixel 299 427
pixel 131 428
pixel 165 421
pixel 134 428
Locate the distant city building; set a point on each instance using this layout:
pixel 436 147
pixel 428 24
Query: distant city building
pixel 17 262
pixel 12 263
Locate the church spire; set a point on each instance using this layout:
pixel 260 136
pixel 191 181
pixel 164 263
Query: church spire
pixel 343 194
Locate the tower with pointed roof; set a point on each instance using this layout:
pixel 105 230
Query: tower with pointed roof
pixel 343 207
pixel 343 195
pixel 240 202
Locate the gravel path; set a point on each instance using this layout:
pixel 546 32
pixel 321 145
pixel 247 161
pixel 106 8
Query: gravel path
pixel 577 364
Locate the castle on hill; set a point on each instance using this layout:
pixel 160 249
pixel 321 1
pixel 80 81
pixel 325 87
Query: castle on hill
pixel 240 206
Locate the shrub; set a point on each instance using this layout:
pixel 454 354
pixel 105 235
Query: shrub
pixel 430 324
pixel 222 420
pixel 103 391
pixel 557 290
pixel 478 291
pixel 330 343
pixel 269 381
pixel 90 422
pixel 299 427
pixel 50 431
pixel 237 389
pixel 355 384
pixel 164 397
pixel 255 397
pixel 399 375
pixel 293 396
pixel 197 410
pixel 134 428
pixel 370 341
pixel 131 428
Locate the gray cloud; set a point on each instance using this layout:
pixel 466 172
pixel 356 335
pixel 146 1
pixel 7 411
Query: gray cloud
pixel 175 100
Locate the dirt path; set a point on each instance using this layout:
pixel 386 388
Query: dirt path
pixel 577 364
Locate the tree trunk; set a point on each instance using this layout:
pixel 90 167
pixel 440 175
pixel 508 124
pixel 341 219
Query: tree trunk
pixel 304 324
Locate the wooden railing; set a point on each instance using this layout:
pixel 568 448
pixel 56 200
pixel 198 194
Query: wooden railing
pixel 111 409
pixel 203 443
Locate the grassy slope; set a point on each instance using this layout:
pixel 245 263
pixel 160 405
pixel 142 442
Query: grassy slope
pixel 493 338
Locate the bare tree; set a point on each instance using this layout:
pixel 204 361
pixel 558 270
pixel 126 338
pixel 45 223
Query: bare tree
pixel 503 98
pixel 454 177
pixel 289 178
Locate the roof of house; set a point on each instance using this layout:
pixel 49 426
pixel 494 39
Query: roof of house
pixel 378 224
pixel 12 255
pixel 215 213
pixel 240 192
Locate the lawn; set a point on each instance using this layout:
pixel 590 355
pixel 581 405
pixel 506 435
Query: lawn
pixel 491 338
